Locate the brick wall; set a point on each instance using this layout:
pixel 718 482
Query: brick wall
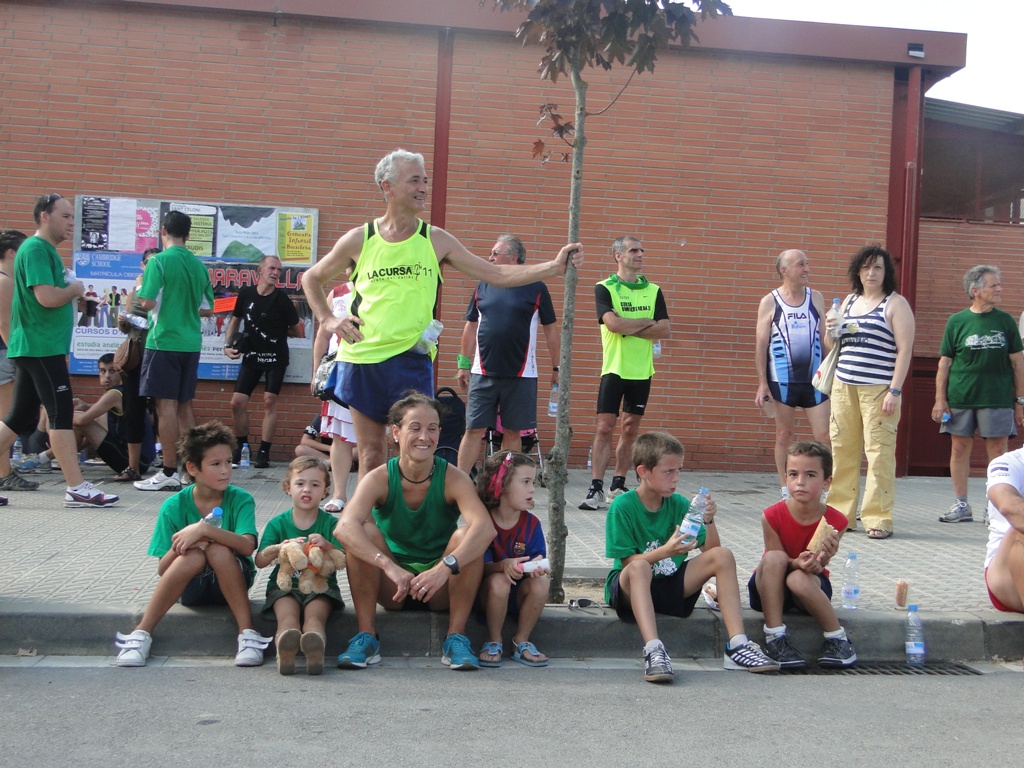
pixel 740 156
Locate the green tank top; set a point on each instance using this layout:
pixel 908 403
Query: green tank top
pixel 417 535
pixel 394 292
pixel 630 357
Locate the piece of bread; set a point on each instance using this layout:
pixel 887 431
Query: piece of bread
pixel 821 533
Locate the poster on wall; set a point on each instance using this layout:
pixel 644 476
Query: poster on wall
pixel 112 233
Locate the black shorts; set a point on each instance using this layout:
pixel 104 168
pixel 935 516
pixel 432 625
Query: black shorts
pixel 248 378
pixel 796 395
pixel 41 381
pixel 666 594
pixel 788 602
pixel 169 375
pixel 203 589
pixel 631 393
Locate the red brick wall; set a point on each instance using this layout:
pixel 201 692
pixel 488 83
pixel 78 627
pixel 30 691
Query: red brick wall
pixel 740 156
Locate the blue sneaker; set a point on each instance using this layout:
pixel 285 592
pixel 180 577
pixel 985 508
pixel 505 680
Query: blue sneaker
pixel 362 649
pixel 457 654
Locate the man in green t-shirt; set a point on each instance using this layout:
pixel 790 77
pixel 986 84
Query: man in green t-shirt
pixel 979 386
pixel 177 293
pixel 42 317
pixel 633 317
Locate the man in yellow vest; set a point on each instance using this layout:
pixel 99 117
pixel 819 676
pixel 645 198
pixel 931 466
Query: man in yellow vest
pixel 632 314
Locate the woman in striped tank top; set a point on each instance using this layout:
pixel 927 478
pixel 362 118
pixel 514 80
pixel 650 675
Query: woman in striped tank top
pixel 876 344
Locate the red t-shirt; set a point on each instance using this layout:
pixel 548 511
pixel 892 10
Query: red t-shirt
pixel 794 536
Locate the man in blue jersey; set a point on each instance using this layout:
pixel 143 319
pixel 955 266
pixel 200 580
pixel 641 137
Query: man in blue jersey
pixel 498 362
pixel 787 351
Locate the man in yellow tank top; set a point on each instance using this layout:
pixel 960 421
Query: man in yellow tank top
pixel 396 269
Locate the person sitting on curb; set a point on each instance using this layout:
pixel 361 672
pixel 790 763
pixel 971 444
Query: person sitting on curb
pixel 313 443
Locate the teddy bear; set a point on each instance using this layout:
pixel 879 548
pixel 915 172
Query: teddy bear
pixel 312 564
pixel 291 560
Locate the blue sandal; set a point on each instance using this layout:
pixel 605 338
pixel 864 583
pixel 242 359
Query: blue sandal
pixel 531 649
pixel 491 649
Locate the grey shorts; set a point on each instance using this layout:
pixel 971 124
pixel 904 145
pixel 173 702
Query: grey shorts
pixel 6 368
pixel 987 422
pixel 514 397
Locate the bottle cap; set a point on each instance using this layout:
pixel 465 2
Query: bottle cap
pixel 218 512
pixel 853 555
pixel 912 607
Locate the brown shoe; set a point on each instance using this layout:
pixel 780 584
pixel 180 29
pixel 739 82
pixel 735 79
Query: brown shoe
pixel 287 646
pixel 313 644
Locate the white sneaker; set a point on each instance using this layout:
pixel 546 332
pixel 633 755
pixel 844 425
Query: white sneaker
pixel 159 482
pixel 251 645
pixel 88 495
pixel 134 648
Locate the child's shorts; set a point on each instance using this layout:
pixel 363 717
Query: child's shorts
pixel 274 594
pixel 204 589
pixel 788 602
pixel 666 594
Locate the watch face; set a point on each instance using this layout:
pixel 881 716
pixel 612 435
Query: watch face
pixel 452 563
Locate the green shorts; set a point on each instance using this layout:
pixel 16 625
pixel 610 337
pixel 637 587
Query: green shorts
pixel 414 568
pixel 274 594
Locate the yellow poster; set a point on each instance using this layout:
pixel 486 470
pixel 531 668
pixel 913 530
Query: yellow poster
pixel 295 237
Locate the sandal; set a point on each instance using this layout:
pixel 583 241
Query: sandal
pixel 491 649
pixel 878 534
pixel 334 506
pixel 539 660
pixel 129 475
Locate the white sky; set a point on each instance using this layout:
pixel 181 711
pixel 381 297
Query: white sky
pixel 994 32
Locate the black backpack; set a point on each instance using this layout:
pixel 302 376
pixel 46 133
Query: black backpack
pixel 453 424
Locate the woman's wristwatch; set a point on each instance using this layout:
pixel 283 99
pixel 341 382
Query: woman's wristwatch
pixel 895 391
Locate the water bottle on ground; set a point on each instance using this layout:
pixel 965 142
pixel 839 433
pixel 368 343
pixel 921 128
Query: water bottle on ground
pixel 915 638
pixel 553 402
pixel 833 314
pixel 17 453
pixel 215 518
pixel 694 519
pixel 851 582
pixel 243 460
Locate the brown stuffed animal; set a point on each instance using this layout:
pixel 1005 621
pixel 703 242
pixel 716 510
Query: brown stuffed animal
pixel 321 564
pixel 291 560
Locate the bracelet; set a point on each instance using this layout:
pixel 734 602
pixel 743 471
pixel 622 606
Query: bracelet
pixel 464 363
pixel 709 522
pixel 554 368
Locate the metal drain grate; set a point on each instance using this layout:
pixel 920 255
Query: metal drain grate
pixel 894 668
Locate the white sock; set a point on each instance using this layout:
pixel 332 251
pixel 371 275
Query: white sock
pixel 737 640
pixel 80 486
pixel 839 634
pixel 652 645
pixel 773 632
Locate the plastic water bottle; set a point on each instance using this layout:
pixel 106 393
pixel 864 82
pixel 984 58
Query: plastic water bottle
pixel 946 417
pixel 851 582
pixel 656 348
pixel 17 453
pixel 690 527
pixel 833 314
pixel 915 638
pixel 590 457
pixel 428 339
pixel 215 518
pixel 243 460
pixel 553 402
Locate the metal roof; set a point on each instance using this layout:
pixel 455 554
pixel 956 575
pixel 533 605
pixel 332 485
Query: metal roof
pixel 975 117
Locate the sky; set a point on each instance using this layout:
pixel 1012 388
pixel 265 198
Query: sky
pixel 993 30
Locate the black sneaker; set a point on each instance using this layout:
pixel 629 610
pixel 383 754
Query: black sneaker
pixel 781 651
pixel 617 488
pixel 658 666
pixel 262 460
pixel 837 653
pixel 594 500
pixel 749 657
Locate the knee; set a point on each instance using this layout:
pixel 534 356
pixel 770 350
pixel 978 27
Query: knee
pixel 721 556
pixel 605 427
pixel 538 586
pixel 269 401
pixel 239 401
pixel 773 560
pixel 497 586
pixel 638 571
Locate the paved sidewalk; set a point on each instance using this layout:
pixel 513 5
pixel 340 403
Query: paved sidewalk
pixel 62 566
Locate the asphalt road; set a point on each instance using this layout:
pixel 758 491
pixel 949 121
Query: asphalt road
pixel 418 713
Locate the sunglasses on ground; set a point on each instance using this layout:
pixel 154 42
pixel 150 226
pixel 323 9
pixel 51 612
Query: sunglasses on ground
pixel 586 605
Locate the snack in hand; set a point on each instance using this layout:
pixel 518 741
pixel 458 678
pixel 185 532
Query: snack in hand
pixel 822 532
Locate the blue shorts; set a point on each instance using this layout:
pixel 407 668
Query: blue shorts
pixel 169 375
pixel 372 388
pixel 204 589
pixel 788 602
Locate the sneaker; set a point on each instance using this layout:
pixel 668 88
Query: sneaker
pixel 457 655
pixel 313 644
pixel 262 460
pixel 159 482
pixel 617 490
pixel 286 646
pixel 782 652
pixel 362 649
pixel 750 657
pixel 32 463
pixel 15 482
pixel 594 500
pixel 251 645
pixel 837 653
pixel 134 648
pixel 88 495
pixel 658 666
pixel 960 512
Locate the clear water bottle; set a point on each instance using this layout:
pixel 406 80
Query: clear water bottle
pixel 243 459
pixel 915 638
pixel 17 453
pixel 851 582
pixel 656 348
pixel 553 402
pixel 590 457
pixel 946 417
pixel 215 518
pixel 428 339
pixel 690 527
pixel 834 314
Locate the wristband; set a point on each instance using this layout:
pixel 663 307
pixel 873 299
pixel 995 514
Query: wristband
pixel 554 368
pixel 464 363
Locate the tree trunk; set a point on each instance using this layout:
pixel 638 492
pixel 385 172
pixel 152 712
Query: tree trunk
pixel 558 459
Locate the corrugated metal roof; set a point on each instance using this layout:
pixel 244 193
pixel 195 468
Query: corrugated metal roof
pixel 974 117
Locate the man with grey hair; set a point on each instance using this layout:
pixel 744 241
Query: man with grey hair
pixel 787 352
pixel 396 265
pixel 498 361
pixel 979 386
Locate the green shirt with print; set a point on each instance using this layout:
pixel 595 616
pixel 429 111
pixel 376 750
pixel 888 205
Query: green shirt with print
pixel 980 345
pixel 179 283
pixel 38 331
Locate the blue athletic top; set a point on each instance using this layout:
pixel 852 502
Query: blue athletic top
pixel 794 344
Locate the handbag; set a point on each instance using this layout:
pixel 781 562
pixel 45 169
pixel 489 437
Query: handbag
pixel 128 355
pixel 826 373
pixel 323 385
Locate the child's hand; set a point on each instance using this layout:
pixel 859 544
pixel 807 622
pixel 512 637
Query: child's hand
pixel 677 545
pixel 539 570
pixel 189 537
pixel 807 562
pixel 319 541
pixel 510 567
pixel 829 547
pixel 711 510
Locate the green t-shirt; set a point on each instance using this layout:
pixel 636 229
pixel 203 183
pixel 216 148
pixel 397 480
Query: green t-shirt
pixel 180 510
pixel 417 535
pixel 179 283
pixel 980 345
pixel 282 528
pixel 38 331
pixel 631 529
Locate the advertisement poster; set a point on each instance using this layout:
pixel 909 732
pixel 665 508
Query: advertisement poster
pixel 230 239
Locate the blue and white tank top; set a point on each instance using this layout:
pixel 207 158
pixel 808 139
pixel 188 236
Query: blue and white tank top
pixel 794 345
pixel 868 356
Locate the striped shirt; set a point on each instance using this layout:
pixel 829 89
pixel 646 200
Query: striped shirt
pixel 868 356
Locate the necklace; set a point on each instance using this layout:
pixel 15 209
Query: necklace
pixel 415 482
